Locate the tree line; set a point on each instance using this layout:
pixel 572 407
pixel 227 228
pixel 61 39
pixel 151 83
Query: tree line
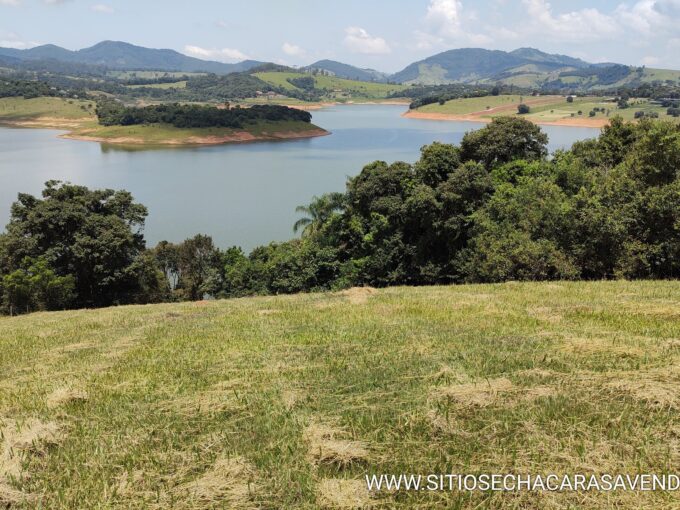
pixel 113 113
pixel 492 209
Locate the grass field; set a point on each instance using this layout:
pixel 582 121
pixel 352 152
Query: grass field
pixel 543 108
pixel 150 134
pixel 175 85
pixel 285 402
pixel 149 75
pixel 18 108
pixel 354 88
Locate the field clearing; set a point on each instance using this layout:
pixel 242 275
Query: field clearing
pixel 285 402
pixel 356 88
pixel 544 109
pixel 150 75
pixel 14 109
pixel 175 85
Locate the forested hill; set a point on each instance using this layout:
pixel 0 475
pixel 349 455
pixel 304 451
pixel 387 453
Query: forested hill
pixel 471 64
pixel 347 71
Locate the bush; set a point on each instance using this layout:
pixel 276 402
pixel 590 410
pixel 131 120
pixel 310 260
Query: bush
pixel 523 109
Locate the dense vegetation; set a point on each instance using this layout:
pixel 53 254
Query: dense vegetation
pixel 495 208
pixel 111 113
pixel 27 89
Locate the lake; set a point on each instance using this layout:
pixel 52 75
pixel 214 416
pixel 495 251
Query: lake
pixel 239 194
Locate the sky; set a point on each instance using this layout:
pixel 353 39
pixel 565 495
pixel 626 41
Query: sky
pixel 382 34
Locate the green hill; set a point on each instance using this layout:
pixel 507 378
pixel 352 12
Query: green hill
pixel 286 402
pixel 331 86
pixel 121 55
pixel 476 64
pixel 347 71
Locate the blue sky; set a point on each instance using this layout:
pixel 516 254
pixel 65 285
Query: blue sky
pixel 386 35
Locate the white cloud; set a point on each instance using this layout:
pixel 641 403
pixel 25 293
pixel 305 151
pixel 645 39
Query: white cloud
pixel 10 2
pixel 650 60
pixel 14 40
pixel 575 26
pixel 358 40
pixel 223 55
pixel 292 50
pixel 444 25
pixel 445 15
pixel 103 8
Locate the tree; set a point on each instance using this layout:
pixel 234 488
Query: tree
pixel 93 235
pixel 570 99
pixel 318 212
pixel 200 266
pixel 436 162
pixel 35 286
pixel 505 139
pixel 523 109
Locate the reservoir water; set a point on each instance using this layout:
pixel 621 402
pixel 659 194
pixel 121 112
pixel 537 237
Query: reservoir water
pixel 239 194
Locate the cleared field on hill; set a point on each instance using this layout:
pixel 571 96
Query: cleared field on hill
pixel 18 108
pixel 543 108
pixel 173 85
pixel 285 402
pixel 356 88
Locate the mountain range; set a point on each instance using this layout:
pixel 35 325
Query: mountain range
pixel 121 55
pixel 523 67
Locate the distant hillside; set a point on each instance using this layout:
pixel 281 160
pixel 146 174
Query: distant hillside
pixel 476 64
pixel 347 71
pixel 121 55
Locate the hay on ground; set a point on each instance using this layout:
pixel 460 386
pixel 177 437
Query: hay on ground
pixel 229 482
pixel 340 493
pixel 478 394
pixel 328 445
pixel 65 395
pixel 358 295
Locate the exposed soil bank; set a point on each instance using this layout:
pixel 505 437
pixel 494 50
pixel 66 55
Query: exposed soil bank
pixel 474 117
pixel 236 137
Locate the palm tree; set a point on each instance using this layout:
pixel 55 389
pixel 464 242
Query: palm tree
pixel 318 212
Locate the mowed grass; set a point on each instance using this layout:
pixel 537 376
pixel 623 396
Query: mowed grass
pixel 285 402
pixel 18 108
pixel 355 88
pixel 465 106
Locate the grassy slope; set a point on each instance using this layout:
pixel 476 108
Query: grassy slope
pixel 559 109
pixel 56 112
pixel 161 133
pixel 18 108
pixel 191 404
pixel 358 89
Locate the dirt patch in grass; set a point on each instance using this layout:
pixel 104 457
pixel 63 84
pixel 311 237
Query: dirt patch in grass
pixel 18 440
pixel 340 493
pixel 358 295
pixel 477 394
pixel 588 346
pixel 659 388
pixel 329 445
pixel 230 483
pixel 65 395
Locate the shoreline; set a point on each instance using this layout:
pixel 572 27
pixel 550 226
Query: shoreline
pixel 74 131
pixel 236 137
pixel 321 106
pixel 444 117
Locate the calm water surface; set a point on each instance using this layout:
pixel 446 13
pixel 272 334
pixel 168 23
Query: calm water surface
pixel 240 194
